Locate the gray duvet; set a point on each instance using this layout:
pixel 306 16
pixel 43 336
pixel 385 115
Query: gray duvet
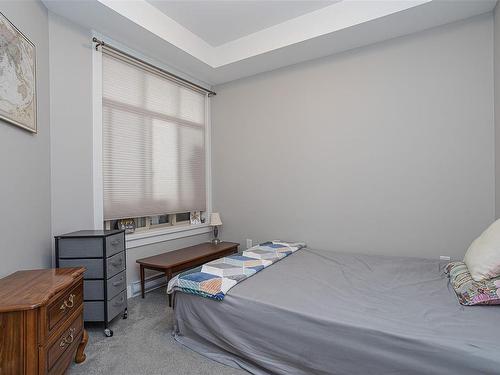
pixel 318 312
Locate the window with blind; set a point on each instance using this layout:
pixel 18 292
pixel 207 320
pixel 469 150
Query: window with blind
pixel 153 143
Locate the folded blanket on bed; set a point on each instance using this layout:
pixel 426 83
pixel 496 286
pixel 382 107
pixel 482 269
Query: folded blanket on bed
pixel 215 278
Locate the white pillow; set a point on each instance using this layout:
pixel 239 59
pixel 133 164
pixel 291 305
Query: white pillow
pixel 483 256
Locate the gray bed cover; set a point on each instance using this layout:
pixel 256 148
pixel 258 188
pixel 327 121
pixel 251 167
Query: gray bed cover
pixel 318 312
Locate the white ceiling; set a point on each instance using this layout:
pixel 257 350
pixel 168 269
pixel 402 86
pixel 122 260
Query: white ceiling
pixel 191 44
pixel 218 22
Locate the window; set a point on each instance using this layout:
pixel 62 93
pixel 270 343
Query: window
pixel 153 146
pixel 141 224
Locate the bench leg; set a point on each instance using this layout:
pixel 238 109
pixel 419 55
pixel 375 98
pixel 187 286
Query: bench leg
pixel 168 274
pixel 142 281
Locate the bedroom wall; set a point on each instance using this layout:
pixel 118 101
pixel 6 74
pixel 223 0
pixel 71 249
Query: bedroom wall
pixel 72 140
pixel 25 160
pixel 497 106
pixel 71 123
pixel 386 149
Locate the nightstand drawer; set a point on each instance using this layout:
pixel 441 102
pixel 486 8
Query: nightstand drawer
pixel 115 264
pixel 93 266
pixel 94 289
pixel 64 306
pixel 115 244
pixel 116 284
pixel 117 305
pixel 67 339
pixel 93 311
pixel 80 247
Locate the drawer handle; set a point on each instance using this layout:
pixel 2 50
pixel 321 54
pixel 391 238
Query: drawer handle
pixel 118 283
pixel 115 242
pixel 69 303
pixel 117 263
pixel 118 303
pixel 68 339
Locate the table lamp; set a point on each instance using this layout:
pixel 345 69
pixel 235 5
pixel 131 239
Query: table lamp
pixel 215 221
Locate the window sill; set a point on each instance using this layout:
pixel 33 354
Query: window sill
pixel 165 234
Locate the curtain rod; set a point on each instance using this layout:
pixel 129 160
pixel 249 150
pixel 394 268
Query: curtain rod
pixel 171 75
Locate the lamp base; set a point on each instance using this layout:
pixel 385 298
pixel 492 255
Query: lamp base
pixel 216 240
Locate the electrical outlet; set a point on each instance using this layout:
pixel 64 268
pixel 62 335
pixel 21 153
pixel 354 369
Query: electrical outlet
pixel 444 257
pixel 249 243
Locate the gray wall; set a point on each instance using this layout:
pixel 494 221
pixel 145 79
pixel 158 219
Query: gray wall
pixel 25 160
pixel 385 149
pixel 71 126
pixel 497 107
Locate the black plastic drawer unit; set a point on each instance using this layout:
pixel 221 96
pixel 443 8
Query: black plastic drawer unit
pixel 102 253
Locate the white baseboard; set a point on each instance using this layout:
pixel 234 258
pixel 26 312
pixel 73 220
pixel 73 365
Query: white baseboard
pixel 151 283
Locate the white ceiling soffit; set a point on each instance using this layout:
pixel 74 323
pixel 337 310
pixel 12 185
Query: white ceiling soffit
pixel 323 21
pixel 221 21
pixel 334 28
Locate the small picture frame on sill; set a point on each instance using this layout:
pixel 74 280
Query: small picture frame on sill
pixel 195 217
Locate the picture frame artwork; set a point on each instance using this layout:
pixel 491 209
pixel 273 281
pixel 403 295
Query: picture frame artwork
pixel 195 217
pixel 17 77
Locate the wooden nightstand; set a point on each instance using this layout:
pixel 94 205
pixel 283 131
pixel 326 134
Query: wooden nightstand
pixel 182 259
pixel 41 321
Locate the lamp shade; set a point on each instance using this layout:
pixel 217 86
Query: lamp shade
pixel 215 219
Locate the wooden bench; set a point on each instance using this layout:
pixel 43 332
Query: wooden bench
pixel 176 261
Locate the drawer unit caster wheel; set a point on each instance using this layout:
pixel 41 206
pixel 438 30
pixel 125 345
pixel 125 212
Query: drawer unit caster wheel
pixel 108 332
pixel 125 314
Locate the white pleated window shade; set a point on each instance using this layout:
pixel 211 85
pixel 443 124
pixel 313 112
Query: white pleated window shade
pixel 153 143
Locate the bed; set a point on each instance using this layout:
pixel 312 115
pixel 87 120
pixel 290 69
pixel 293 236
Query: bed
pixel 320 312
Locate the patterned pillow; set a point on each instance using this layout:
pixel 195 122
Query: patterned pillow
pixel 469 291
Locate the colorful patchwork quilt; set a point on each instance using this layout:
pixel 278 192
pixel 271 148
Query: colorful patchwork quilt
pixel 215 278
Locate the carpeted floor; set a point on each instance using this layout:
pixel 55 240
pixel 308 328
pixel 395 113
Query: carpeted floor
pixel 143 344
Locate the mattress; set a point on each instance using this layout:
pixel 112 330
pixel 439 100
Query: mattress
pixel 321 312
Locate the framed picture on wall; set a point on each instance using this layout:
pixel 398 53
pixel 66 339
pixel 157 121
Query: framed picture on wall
pixel 17 77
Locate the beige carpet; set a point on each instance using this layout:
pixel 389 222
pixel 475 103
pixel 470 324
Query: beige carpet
pixel 143 344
